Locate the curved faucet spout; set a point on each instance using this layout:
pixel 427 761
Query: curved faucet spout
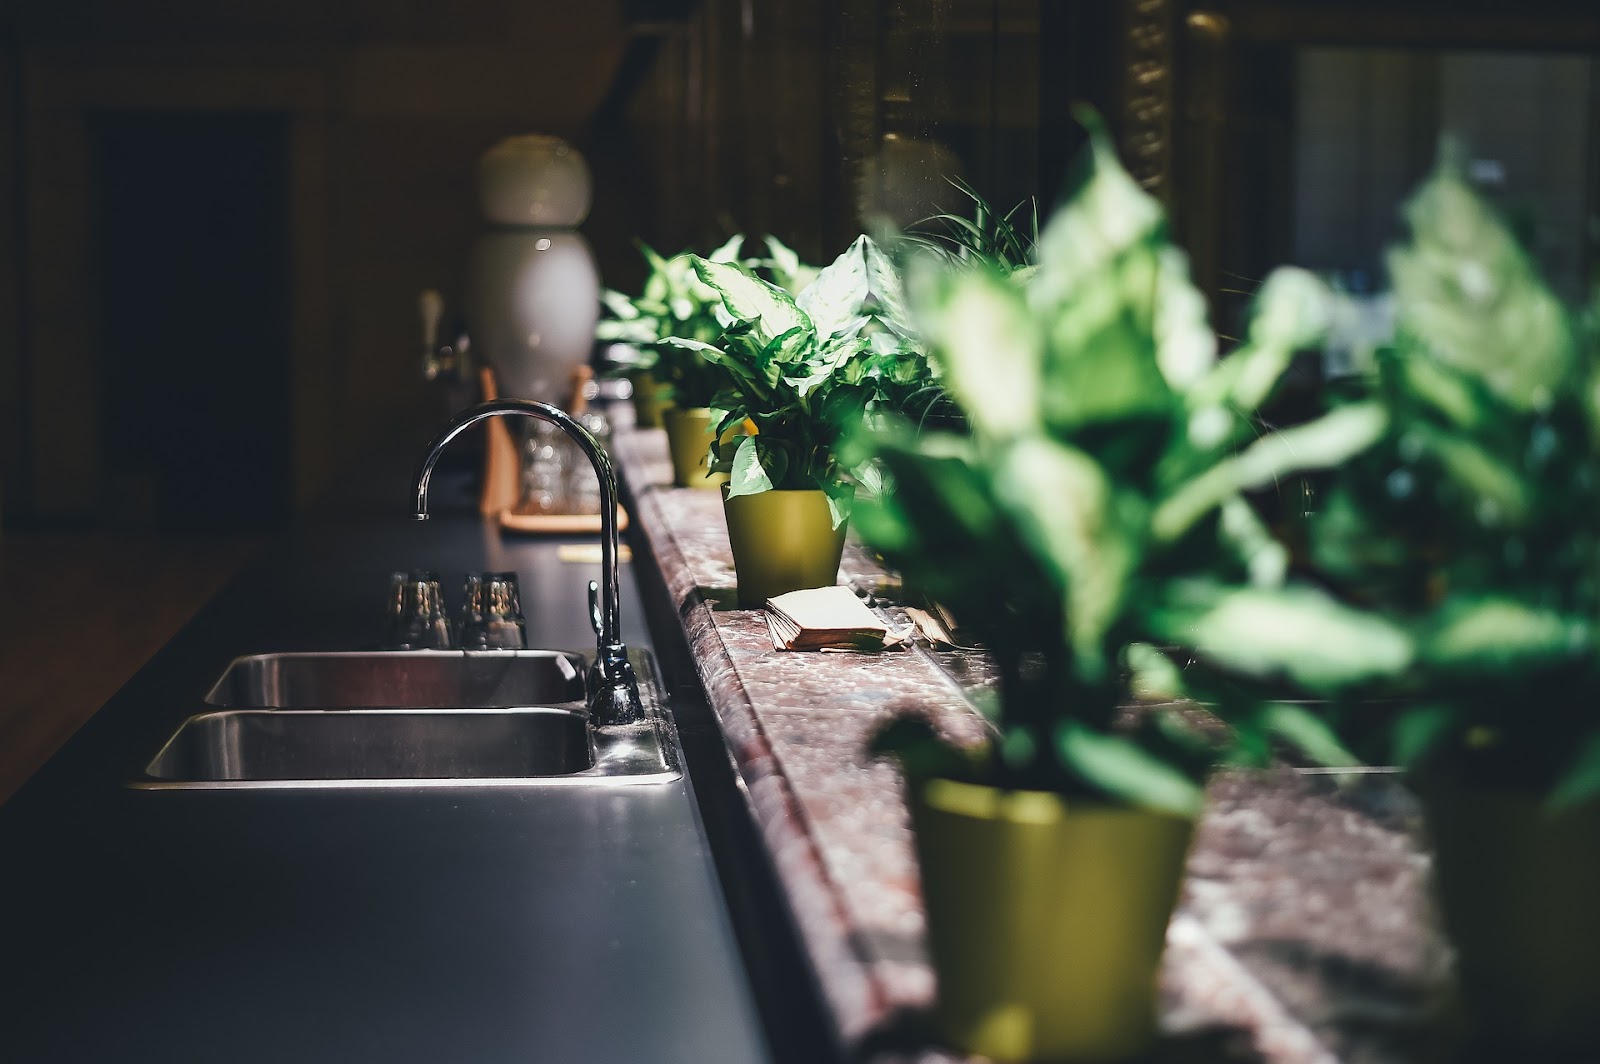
pixel 614 693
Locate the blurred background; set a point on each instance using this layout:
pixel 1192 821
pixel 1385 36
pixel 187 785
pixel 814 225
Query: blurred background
pixel 216 218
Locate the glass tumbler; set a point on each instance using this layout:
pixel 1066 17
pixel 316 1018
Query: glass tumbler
pixel 545 460
pixel 491 613
pixel 417 619
pixel 583 484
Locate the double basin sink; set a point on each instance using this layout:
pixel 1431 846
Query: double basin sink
pixel 424 718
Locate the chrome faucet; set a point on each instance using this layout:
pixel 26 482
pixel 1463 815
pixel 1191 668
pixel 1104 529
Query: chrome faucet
pixel 613 688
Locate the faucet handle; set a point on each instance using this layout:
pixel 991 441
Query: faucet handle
pixel 596 619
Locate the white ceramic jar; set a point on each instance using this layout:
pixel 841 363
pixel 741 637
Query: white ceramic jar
pixel 533 295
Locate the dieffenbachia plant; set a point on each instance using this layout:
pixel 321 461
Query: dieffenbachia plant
pixel 674 303
pixel 1475 521
pixel 1093 513
pixel 783 265
pixel 807 369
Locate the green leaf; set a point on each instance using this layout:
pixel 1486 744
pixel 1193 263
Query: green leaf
pixel 789 347
pixel 860 287
pixel 793 275
pixel 936 479
pixel 1495 635
pixel 782 255
pixel 1106 215
pixel 1345 543
pixel 886 291
pixel 1241 531
pixel 1445 390
pixel 1186 348
pixel 990 349
pixel 1298 633
pixel 1291 312
pixel 844 409
pixel 1307 732
pixel 1064 507
pixel 634 331
pixel 1124 770
pixel 1580 783
pixel 1324 443
pixel 755 384
pixel 833 301
pixel 1100 360
pixel 724 419
pixel 686 344
pixel 618 304
pixel 841 500
pixel 657 287
pixel 728 252
pixel 1470 295
pixel 770 310
pixel 1504 497
pixel 805 385
pixel 1418 730
pixel 748 477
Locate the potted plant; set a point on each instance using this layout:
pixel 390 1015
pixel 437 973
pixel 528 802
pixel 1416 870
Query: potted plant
pixel 673 385
pixel 1005 241
pixel 1475 522
pixel 804 370
pixel 1091 515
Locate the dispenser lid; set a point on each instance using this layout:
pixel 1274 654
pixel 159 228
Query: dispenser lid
pixel 533 179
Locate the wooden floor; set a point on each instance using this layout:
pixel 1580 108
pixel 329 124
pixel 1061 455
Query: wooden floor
pixel 79 613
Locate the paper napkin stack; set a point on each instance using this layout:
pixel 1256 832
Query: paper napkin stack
pixel 826 618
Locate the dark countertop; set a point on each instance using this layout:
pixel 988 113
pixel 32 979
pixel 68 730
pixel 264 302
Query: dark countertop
pixel 1303 934
pixel 503 924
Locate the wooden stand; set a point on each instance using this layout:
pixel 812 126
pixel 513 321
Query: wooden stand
pixel 502 466
pixel 502 472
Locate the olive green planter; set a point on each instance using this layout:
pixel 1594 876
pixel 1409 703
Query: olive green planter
pixel 689 438
pixel 1519 894
pixel 1046 919
pixel 782 541
pixel 647 402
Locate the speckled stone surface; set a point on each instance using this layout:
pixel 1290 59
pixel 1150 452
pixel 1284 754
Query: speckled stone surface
pixel 1302 935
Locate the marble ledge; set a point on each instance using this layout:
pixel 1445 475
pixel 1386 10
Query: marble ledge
pixel 1302 936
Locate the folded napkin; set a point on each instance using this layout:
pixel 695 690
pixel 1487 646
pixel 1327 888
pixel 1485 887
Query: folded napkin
pixel 826 618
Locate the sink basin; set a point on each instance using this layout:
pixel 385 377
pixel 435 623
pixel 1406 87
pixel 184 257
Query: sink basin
pixel 296 745
pixel 401 679
pixel 412 719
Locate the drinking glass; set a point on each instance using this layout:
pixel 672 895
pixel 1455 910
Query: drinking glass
pixel 417 619
pixel 491 613
pixel 545 461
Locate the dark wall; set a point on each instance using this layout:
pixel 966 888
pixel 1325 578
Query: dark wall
pixel 192 217
pixel 386 105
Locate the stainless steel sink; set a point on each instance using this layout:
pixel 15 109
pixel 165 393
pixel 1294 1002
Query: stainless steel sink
pixel 254 745
pixel 412 719
pixel 401 679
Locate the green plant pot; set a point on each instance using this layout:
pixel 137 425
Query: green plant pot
pixel 647 402
pixel 689 438
pixel 1519 894
pixel 1046 919
pixel 782 541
